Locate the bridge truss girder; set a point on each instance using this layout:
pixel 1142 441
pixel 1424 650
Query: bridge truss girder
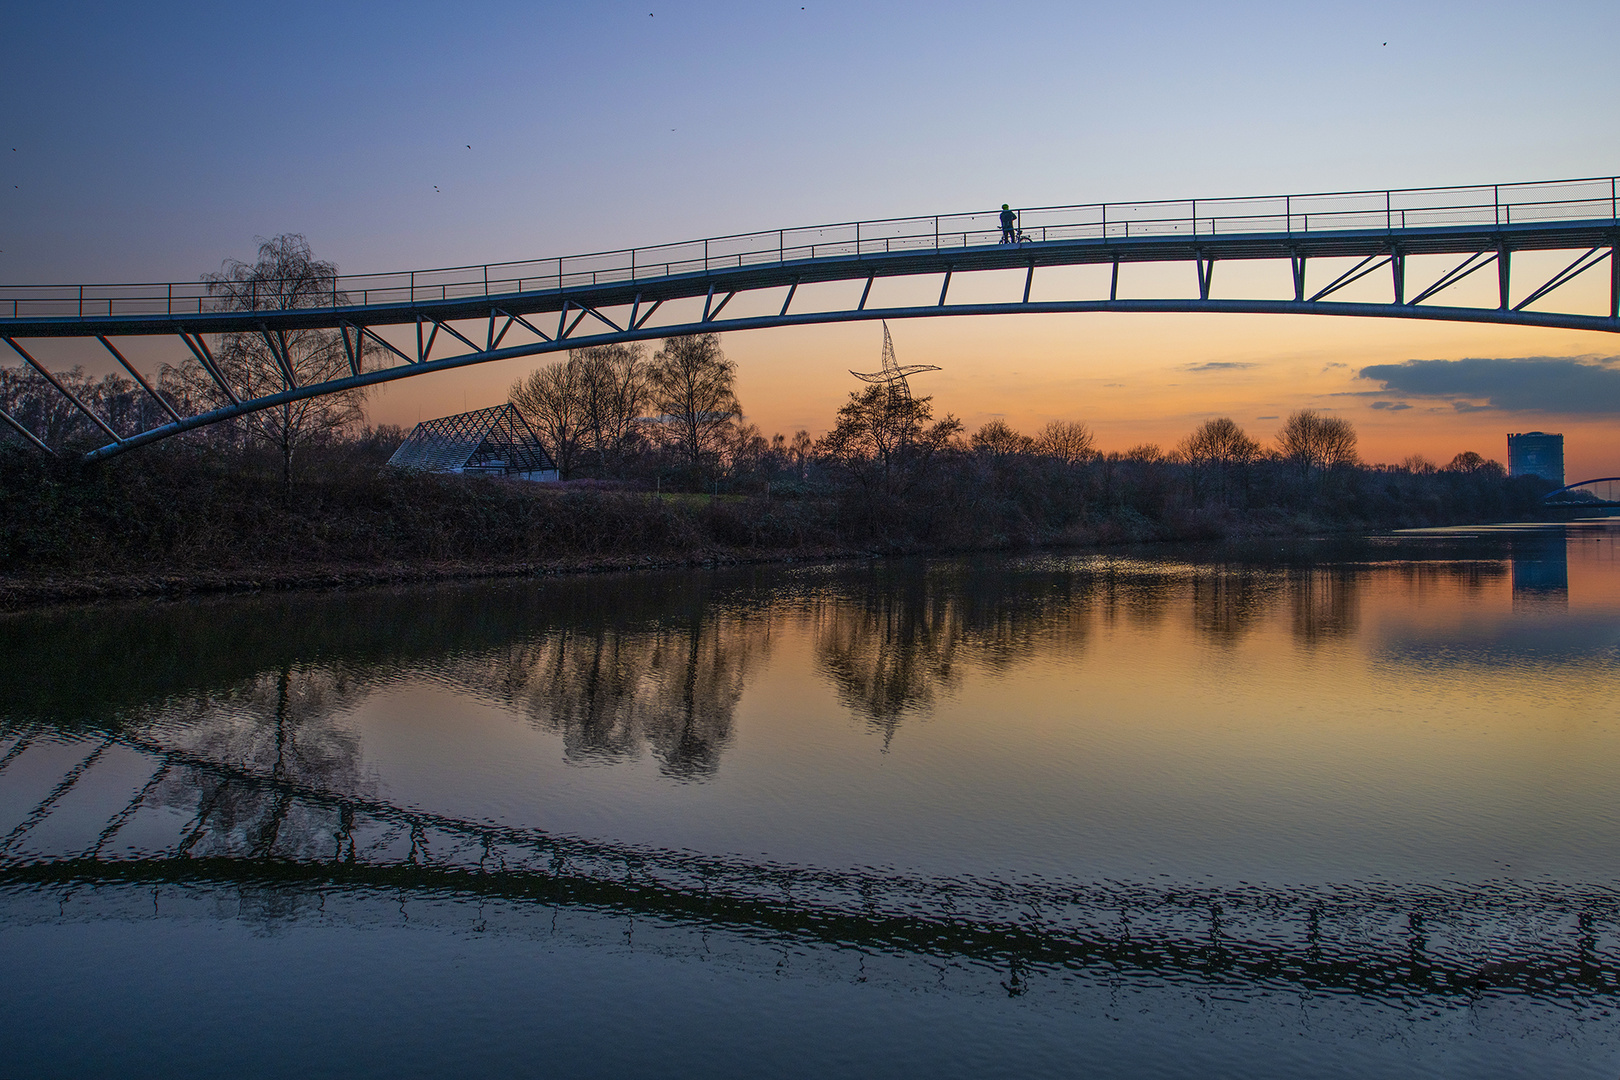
pixel 622 311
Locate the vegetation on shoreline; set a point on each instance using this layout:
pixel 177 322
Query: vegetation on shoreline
pixel 201 515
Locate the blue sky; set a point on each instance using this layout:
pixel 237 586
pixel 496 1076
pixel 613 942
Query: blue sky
pixel 152 141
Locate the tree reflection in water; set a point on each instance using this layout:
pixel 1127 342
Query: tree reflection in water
pixel 236 710
pixel 610 692
pixel 278 725
pixel 656 663
pixel 893 641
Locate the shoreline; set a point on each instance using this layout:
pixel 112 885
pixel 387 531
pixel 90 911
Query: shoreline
pixel 32 592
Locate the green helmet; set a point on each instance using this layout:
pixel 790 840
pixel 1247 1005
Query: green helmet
pixel 1004 206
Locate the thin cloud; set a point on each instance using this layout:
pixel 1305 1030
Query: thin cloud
pixel 1216 365
pixel 1533 384
pixel 1392 406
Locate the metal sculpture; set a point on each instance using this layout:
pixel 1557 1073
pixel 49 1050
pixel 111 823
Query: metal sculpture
pixel 892 372
pixel 496 441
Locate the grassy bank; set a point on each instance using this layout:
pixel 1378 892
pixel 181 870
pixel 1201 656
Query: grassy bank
pixel 177 519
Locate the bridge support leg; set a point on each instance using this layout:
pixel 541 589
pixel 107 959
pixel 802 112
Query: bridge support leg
pixel 1614 281
pixel 1113 283
pixel 1502 276
pixel 1296 262
pixel 1397 264
pixel 1206 271
pixel 1029 279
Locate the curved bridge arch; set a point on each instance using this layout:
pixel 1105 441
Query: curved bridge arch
pixel 1609 497
pixel 609 297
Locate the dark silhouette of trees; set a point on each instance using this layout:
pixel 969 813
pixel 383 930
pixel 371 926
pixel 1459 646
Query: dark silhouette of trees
pixel 550 400
pixel 1215 449
pixel 1068 441
pixel 586 405
pixel 1219 441
pixel 1313 441
pixel 997 439
pixel 691 385
pixel 1470 462
pixel 285 275
pixel 613 389
pixel 884 442
pixel 55 421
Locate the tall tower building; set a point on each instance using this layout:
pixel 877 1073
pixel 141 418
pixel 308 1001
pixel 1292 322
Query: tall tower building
pixel 1536 453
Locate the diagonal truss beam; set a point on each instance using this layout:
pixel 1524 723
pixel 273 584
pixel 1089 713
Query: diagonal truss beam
pixel 525 323
pixel 22 429
pixel 424 351
pixel 374 336
pixel 1477 261
pixel 199 349
pixel 276 342
pixel 1581 265
pixel 352 349
pixel 65 392
pixel 647 317
pixel 1354 274
pixel 437 325
pixel 138 377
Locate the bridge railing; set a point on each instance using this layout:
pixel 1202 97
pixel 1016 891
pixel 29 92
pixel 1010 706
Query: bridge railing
pixel 1390 210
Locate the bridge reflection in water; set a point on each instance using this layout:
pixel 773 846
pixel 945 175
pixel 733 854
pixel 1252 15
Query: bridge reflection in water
pixel 193 750
pixel 258 829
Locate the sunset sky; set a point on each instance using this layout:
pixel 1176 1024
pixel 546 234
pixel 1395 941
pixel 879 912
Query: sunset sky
pixel 148 142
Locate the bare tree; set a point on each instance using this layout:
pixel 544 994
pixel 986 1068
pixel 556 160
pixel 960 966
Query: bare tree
pixel 1417 463
pixel 1144 453
pixel 997 439
pixel 800 451
pixel 550 400
pixel 1219 441
pixel 690 384
pixel 285 275
pixel 612 387
pixel 884 439
pixel 1314 441
pixel 1217 447
pixel 1068 441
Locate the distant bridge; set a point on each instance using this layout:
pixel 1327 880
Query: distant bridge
pixel 1602 494
pixel 614 296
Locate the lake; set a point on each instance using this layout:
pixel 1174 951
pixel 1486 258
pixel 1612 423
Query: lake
pixel 1308 809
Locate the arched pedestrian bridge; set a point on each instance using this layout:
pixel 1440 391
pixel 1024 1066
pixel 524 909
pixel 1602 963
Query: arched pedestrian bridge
pixel 1599 497
pixel 431 320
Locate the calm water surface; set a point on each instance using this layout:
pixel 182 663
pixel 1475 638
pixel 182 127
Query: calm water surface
pixel 1346 811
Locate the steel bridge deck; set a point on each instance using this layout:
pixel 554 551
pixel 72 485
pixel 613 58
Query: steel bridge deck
pixel 612 297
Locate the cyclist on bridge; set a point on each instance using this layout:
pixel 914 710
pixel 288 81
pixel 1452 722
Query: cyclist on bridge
pixel 1009 221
